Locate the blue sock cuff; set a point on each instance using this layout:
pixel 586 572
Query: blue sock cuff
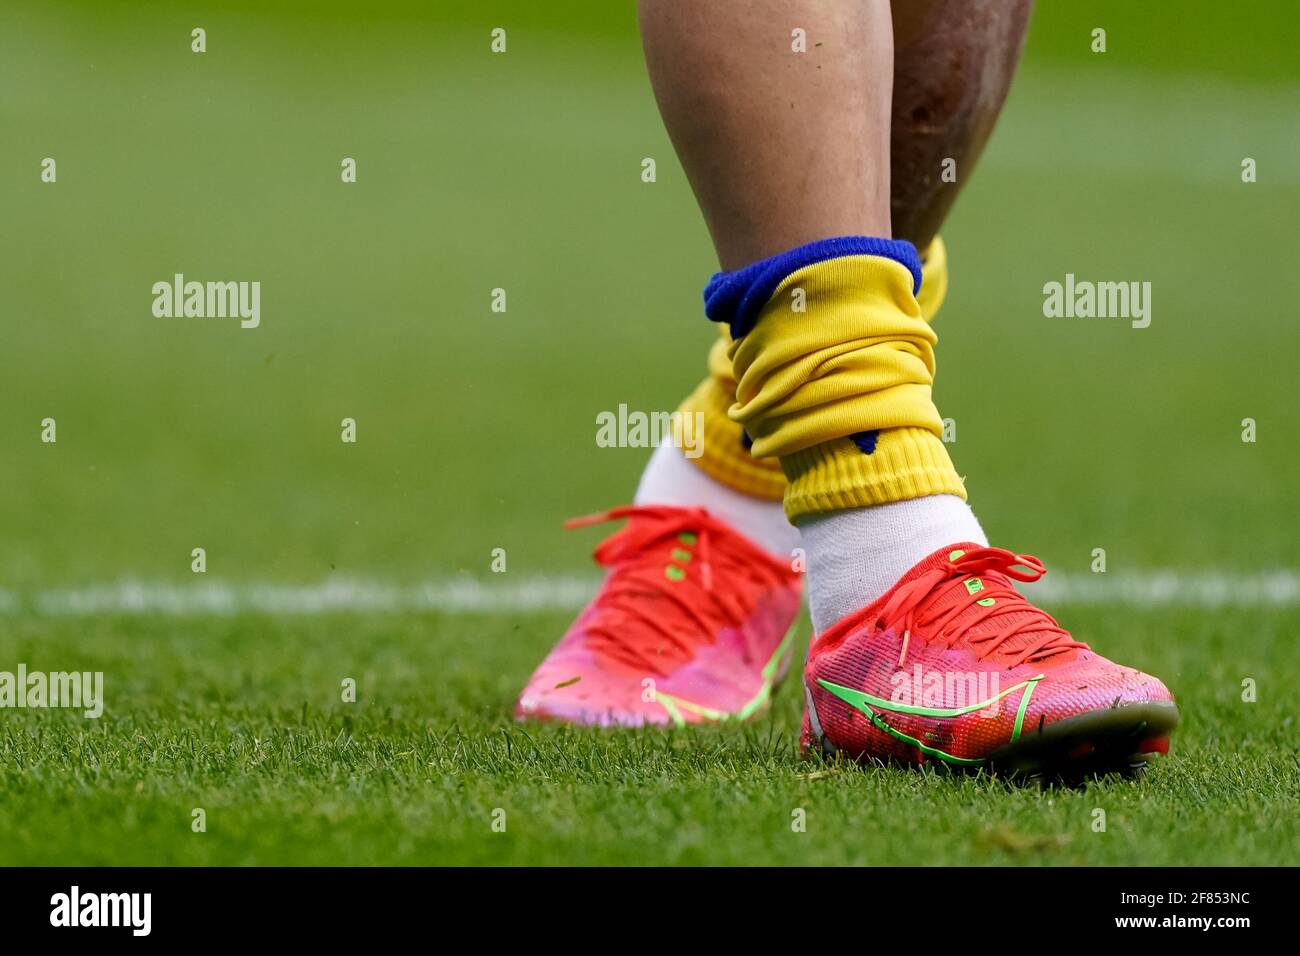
pixel 737 297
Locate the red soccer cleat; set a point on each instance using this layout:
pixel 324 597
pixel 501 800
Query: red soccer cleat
pixel 953 665
pixel 692 623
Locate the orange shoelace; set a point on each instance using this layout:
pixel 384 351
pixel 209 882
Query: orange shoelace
pixel 659 602
pixel 993 618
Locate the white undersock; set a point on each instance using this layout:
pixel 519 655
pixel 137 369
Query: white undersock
pixel 857 555
pixel 671 479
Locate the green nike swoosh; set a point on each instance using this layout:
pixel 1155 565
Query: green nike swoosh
pixel 868 705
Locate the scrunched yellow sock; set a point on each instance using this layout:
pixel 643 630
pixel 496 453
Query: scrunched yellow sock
pixel 726 456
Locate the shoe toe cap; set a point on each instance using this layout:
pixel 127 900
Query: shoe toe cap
pixel 588 700
pixel 1095 683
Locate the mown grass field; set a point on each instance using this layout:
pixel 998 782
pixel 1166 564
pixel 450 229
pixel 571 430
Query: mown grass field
pixel 476 431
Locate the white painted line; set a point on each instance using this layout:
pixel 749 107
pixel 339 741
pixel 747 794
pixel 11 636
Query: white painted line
pixel 522 594
pixel 1170 588
pixel 454 595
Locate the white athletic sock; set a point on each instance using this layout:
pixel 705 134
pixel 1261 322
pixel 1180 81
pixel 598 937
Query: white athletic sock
pixel 857 555
pixel 670 479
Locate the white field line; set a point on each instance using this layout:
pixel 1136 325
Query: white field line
pixel 521 594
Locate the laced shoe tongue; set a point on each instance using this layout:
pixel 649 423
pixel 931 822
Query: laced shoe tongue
pixel 1019 612
pixel 657 606
pixel 939 559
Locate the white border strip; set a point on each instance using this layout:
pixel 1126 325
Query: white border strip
pixel 521 594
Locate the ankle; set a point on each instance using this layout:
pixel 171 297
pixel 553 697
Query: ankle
pixel 670 479
pixel 856 555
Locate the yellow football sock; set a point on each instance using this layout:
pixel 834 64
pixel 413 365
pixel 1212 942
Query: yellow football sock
pixel 840 391
pixel 934 279
pixel 726 453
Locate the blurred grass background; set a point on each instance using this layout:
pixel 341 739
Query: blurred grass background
pixel 476 171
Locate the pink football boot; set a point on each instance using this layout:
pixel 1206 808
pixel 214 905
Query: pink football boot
pixel 692 623
pixel 953 665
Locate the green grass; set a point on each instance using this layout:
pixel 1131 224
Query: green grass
pixel 243 718
pixel 477 432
